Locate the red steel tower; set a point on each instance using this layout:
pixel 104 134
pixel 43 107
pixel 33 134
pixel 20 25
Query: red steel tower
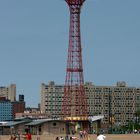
pixel 74 100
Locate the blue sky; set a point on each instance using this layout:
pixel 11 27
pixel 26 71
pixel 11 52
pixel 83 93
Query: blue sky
pixel 34 42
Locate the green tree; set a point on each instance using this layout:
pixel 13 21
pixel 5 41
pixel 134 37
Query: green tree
pixel 137 119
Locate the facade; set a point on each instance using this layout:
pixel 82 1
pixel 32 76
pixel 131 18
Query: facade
pixel 35 127
pixel 8 92
pixel 32 115
pixel 47 126
pixel 21 98
pixel 51 99
pixel 117 103
pixel 8 109
pixel 6 112
pixel 14 127
pixel 18 107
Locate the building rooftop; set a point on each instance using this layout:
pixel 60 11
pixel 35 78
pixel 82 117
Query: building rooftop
pixel 11 123
pixel 40 121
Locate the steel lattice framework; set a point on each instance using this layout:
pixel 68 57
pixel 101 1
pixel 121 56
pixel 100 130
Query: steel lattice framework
pixel 74 101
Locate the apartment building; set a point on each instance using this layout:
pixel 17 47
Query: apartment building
pixel 6 112
pixel 117 103
pixel 51 98
pixel 8 104
pixel 8 92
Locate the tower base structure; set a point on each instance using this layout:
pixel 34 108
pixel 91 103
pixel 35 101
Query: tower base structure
pixel 75 124
pixel 89 125
pixel 74 127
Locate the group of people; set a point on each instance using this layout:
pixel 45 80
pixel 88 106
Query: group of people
pixel 26 136
pixel 66 138
pixel 82 135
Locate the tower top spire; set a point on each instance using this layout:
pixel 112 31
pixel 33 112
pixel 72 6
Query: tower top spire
pixel 75 2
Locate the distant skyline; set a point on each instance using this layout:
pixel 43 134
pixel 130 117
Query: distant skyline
pixel 34 41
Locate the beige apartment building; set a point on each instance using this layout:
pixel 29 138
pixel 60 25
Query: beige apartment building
pixel 8 92
pixel 51 97
pixel 117 103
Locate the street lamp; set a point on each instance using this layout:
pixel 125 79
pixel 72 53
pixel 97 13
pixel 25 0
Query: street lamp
pixel 90 123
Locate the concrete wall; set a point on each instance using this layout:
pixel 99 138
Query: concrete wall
pixel 51 127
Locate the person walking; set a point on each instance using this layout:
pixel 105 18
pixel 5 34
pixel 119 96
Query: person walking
pixel 100 137
pixel 28 136
pixel 13 137
pixel 18 136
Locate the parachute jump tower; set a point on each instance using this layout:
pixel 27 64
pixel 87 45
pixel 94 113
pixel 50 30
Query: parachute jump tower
pixel 74 104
